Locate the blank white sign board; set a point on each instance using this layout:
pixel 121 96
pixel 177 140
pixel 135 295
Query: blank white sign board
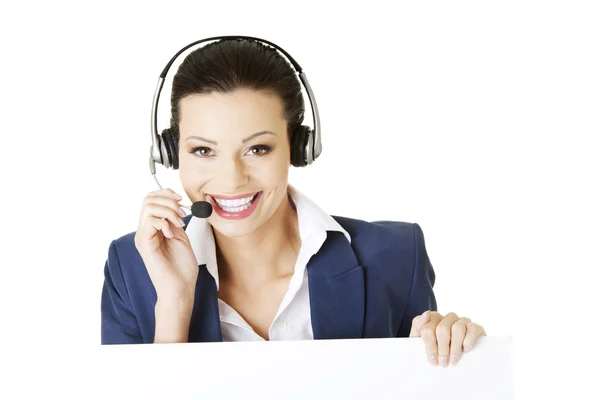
pixel 319 369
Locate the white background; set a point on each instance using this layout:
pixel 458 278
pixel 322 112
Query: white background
pixel 477 120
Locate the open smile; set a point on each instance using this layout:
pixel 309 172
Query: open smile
pixel 235 207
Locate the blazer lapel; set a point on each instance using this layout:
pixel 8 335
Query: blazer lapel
pixel 336 290
pixel 205 325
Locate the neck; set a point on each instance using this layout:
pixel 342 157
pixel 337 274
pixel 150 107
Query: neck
pixel 268 254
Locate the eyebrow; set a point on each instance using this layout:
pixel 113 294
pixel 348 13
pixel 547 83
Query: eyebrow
pixel 243 140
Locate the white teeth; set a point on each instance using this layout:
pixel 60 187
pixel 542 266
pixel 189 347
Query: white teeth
pixel 236 209
pixel 234 203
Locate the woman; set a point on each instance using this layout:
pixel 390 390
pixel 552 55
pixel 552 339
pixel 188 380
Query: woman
pixel 268 264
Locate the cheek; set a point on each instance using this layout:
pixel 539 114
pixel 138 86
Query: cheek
pixel 272 177
pixel 185 175
pixel 272 173
pixel 191 178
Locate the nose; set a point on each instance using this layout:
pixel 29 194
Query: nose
pixel 233 174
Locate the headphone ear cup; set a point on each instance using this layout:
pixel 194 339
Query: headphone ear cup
pixel 298 146
pixel 171 148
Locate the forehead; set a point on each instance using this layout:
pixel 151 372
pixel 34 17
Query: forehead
pixel 242 111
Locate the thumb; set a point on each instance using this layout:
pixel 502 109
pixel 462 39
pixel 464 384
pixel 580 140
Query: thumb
pixel 415 330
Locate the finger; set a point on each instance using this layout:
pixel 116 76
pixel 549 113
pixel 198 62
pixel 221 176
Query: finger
pixel 417 324
pixel 459 330
pixel 429 339
pixel 181 235
pixel 443 332
pixel 166 202
pixel 165 192
pixel 158 225
pixel 474 331
pixel 160 211
pixel 150 227
pixel 162 200
pixel 167 230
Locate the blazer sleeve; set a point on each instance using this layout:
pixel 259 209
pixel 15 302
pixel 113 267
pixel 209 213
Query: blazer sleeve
pixel 421 297
pixel 119 324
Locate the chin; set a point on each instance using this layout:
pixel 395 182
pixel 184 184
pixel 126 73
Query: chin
pixel 234 229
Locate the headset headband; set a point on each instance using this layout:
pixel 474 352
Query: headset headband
pixel 314 152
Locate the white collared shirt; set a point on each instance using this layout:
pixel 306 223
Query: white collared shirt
pixel 292 320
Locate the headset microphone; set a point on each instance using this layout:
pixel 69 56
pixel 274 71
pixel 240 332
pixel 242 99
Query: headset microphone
pixel 201 209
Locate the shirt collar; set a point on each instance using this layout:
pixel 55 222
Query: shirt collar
pixel 311 220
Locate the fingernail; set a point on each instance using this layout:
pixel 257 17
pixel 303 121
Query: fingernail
pixel 181 222
pixel 443 360
pixel 178 196
pixel 433 359
pixel 181 212
pixel 453 359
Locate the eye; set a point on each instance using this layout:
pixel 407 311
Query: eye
pixel 260 150
pixel 203 151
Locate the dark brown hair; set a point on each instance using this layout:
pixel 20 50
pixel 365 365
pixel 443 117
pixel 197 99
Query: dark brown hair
pixel 230 64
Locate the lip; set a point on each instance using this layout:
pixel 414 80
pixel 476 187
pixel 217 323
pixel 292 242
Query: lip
pixel 235 215
pixel 241 196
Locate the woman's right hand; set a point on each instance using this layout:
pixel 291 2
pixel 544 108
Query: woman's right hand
pixel 165 247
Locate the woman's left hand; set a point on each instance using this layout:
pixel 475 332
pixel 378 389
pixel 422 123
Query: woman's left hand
pixel 445 336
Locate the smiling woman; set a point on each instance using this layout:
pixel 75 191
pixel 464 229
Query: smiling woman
pixel 269 264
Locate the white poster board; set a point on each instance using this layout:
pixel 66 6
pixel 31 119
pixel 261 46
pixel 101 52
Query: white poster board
pixel 320 369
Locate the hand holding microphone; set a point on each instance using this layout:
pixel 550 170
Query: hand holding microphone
pixel 170 261
pixel 165 247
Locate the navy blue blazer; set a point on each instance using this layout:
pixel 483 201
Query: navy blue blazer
pixel 370 288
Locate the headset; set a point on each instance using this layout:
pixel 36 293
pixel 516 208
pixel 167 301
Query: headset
pixel 305 145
